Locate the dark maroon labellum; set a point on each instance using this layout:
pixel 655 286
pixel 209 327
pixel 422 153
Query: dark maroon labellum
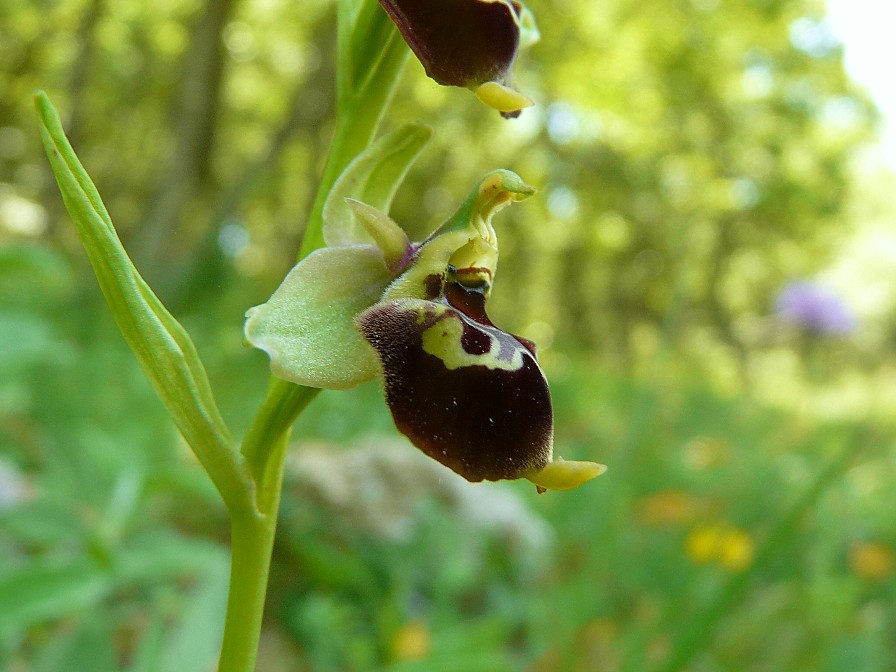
pixel 466 393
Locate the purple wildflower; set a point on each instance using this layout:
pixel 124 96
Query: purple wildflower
pixel 815 308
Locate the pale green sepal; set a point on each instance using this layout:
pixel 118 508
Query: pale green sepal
pixel 388 236
pixel 564 475
pixel 473 220
pixel 307 326
pixel 372 178
pixel 160 343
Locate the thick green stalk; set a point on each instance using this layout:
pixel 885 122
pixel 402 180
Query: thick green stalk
pixel 252 533
pixel 252 541
pixel 371 56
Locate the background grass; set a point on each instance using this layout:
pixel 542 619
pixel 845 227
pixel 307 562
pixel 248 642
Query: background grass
pixel 692 157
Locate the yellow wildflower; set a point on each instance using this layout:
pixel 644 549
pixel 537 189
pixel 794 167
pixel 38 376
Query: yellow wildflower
pixel 412 641
pixel 729 547
pixel 736 550
pixel 872 560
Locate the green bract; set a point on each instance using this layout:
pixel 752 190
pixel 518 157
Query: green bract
pixel 463 391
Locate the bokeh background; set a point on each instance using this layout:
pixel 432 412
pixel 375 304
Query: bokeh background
pixel 708 270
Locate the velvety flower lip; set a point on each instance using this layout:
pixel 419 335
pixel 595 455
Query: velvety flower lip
pixel 466 393
pixel 468 43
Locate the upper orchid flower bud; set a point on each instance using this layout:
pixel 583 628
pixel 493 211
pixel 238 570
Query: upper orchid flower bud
pixel 469 43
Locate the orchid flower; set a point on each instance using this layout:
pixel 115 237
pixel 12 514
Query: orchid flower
pixel 373 303
pixel 468 43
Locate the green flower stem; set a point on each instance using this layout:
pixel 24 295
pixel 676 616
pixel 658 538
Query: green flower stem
pixel 252 533
pixel 284 402
pixel 372 54
pixel 252 540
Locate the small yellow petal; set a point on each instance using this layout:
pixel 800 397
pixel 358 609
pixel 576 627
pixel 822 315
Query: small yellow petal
pixel 502 98
pixel 565 475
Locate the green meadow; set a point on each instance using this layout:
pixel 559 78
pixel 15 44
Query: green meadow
pixel 707 270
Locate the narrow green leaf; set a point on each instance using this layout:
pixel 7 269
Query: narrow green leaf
pixel 47 590
pixel 160 555
pixel 190 644
pixel 160 343
pixel 85 644
pixel 92 648
pixel 148 655
pixel 42 521
pixel 193 645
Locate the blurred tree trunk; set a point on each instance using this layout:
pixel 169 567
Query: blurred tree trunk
pixel 719 315
pixel 194 117
pixel 207 267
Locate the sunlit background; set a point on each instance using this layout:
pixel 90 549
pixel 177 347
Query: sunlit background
pixel 862 27
pixel 708 270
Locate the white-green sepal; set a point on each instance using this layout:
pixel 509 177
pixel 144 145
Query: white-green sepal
pixel 307 328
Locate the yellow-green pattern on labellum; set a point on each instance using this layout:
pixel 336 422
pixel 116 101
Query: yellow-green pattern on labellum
pixel 487 404
pixel 462 390
pixel 468 43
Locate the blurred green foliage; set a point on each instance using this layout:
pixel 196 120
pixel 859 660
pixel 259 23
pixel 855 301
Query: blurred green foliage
pixel 692 156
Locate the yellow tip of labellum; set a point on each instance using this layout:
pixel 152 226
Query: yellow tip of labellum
pixel 502 98
pixel 563 475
